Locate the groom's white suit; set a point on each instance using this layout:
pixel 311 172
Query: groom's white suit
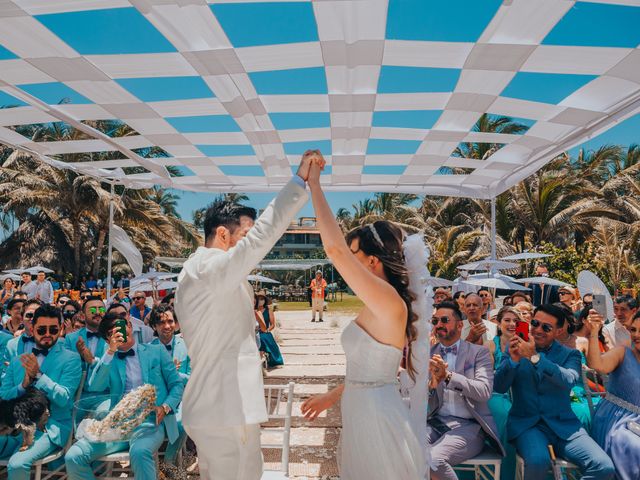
pixel 224 400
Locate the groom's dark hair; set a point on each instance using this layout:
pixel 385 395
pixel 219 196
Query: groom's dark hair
pixel 225 213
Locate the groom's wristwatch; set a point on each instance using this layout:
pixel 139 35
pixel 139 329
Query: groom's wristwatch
pixel 166 408
pixel 535 359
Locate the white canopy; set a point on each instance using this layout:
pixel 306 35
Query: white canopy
pixel 234 92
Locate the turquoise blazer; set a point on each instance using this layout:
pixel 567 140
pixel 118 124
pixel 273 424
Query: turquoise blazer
pixel 542 392
pixel 158 370
pixel 61 375
pixel 178 352
pixel 13 348
pixel 70 343
pixel 4 339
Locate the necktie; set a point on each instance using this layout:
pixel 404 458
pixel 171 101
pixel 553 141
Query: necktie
pixel 37 351
pixel 168 347
pixel 128 353
pixel 453 349
pixel 91 334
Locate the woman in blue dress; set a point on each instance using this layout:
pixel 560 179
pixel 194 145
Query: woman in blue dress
pixel 267 321
pixel 500 403
pixel 616 423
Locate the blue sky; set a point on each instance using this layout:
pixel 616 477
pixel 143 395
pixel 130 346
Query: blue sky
pixel 625 133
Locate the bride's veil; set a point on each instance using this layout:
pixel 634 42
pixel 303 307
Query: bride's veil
pixel 416 255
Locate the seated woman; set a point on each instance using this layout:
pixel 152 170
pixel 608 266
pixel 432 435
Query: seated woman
pixel 617 418
pixel 266 318
pixel 500 403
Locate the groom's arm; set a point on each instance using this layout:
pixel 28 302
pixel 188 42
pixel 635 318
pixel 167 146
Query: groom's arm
pixel 264 234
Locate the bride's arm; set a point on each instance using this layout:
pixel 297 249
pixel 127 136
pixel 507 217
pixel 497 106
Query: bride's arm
pixel 317 404
pixel 377 294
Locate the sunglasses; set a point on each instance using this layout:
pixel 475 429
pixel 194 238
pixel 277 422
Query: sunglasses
pixel 52 329
pixel 484 295
pixel 85 297
pixel 436 320
pixel 28 315
pixel 564 293
pixel 139 298
pixel 546 328
pixel 94 310
pixel 62 302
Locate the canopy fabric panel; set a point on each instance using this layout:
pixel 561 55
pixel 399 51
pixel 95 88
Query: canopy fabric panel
pixel 234 92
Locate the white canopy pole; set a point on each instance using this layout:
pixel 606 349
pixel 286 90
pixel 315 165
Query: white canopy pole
pixel 110 244
pixel 493 228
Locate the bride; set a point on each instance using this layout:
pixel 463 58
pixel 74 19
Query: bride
pixel 377 440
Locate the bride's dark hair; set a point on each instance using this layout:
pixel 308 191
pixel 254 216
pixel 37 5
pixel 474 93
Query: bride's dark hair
pixel 391 255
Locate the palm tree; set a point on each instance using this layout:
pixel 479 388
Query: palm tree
pixel 167 200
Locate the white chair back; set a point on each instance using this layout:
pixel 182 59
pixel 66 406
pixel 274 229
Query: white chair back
pixel 279 409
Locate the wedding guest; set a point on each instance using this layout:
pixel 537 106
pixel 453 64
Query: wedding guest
pixel 28 286
pixel 139 308
pixel 459 389
pixel 500 403
pixel 14 321
pixel 441 295
pixel 459 297
pixel 143 333
pixel 619 411
pixel 43 289
pixel 616 333
pixel 7 292
pixel 266 318
pixel 163 320
pixel 518 297
pixel 541 373
pixel 540 293
pixel 487 300
pixel 127 365
pixel 69 311
pixel 318 286
pixel 475 329
pixel 23 340
pixel 56 371
pixel 85 294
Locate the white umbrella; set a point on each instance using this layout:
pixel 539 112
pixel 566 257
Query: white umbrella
pixel 155 286
pixel 552 282
pixel 261 279
pixel 153 276
pixel 31 270
pixel 526 256
pixel 497 280
pixel 12 276
pixel 437 282
pixel 488 264
pixel 589 282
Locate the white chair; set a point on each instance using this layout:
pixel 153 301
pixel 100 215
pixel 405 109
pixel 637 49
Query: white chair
pixel 482 465
pixel 561 469
pixel 38 465
pixel 278 410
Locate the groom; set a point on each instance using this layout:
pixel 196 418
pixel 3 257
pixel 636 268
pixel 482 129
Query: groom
pixel 223 402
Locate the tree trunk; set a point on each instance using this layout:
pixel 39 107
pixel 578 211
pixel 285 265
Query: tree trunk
pixel 76 253
pixel 102 235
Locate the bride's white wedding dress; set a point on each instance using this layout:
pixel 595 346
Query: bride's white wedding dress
pixel 377 440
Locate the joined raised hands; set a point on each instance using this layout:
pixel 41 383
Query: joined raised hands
pixel 309 159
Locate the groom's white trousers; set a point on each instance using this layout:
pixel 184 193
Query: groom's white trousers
pixel 230 453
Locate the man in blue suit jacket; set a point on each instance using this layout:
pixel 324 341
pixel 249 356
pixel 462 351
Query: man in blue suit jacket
pixel 87 342
pixel 54 370
pixel 125 366
pixel 541 373
pixel 163 320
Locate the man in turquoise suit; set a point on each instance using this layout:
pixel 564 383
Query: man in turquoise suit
pixel 87 342
pixel 56 371
pixel 126 365
pixel 163 320
pixel 24 342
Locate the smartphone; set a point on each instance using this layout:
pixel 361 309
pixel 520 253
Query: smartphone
pixel 522 330
pixel 600 305
pixel 121 325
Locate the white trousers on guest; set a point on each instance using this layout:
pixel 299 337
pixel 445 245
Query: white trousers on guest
pixel 230 453
pixel 318 306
